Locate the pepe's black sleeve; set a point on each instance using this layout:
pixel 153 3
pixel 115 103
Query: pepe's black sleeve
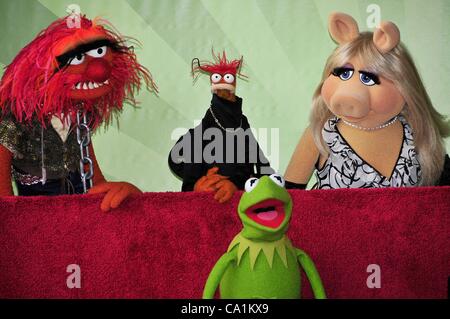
pixel 181 162
pixel 444 180
pixel 194 167
pixel 262 164
pixel 175 160
pixel 192 173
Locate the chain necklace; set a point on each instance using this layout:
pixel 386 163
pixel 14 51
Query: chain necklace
pixel 84 139
pixel 220 125
pixel 379 127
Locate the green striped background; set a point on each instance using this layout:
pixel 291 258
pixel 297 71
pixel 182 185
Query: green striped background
pixel 285 44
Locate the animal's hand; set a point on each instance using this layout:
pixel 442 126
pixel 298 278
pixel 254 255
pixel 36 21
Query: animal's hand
pixel 116 192
pixel 225 190
pixel 208 182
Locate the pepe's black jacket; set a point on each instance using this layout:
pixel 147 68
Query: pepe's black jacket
pixel 190 166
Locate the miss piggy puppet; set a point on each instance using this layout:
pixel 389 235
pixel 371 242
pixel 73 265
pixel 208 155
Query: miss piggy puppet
pixel 372 122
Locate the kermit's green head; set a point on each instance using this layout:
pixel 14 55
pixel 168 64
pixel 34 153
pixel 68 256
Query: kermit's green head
pixel 265 208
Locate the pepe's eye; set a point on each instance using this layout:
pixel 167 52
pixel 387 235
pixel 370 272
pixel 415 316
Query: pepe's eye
pixel 78 59
pixel 98 52
pixel 216 77
pixel 368 79
pixel 229 78
pixel 251 183
pixel 277 179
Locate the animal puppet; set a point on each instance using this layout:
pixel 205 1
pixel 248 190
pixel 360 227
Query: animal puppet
pixel 261 262
pixel 372 122
pixel 221 153
pixel 59 88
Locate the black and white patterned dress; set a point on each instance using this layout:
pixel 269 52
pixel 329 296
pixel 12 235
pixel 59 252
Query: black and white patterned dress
pixel 344 168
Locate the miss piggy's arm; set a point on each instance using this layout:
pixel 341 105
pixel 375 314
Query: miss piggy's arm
pixel 302 163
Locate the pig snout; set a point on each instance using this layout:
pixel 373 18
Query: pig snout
pixel 355 103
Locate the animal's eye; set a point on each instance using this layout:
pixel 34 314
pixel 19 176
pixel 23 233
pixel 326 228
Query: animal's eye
pixel 277 179
pixel 216 77
pixel 229 78
pixel 98 52
pixel 343 73
pixel 368 79
pixel 78 59
pixel 251 183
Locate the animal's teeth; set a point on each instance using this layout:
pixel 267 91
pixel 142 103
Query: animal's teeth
pixel 91 85
pixel 106 82
pixel 85 87
pixel 95 85
pixel 100 84
pixel 79 86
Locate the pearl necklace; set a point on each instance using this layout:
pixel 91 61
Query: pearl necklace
pixel 220 125
pixel 379 127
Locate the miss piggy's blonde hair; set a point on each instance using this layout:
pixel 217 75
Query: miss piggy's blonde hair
pixel 429 126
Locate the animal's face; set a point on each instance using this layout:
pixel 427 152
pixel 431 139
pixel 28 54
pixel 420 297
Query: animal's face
pixel 353 93
pixel 89 72
pixel 66 69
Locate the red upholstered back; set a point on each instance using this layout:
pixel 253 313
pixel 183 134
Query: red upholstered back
pixel 163 245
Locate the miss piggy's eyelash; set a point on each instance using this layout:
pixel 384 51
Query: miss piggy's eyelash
pixel 338 71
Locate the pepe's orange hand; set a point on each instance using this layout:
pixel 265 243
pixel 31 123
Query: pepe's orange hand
pixel 207 183
pixel 116 192
pixel 225 190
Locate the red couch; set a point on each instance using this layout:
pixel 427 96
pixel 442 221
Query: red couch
pixel 163 245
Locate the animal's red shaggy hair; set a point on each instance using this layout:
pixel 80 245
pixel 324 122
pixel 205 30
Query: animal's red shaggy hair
pixel 33 87
pixel 220 65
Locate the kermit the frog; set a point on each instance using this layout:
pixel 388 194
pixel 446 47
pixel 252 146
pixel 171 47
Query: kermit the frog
pixel 261 261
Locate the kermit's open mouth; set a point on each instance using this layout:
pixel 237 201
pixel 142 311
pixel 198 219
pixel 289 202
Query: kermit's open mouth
pixel 269 213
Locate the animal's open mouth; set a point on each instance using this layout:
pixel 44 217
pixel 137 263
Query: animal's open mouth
pixel 269 213
pixel 89 85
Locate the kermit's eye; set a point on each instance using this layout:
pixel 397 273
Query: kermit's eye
pixel 343 73
pixel 277 179
pixel 251 183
